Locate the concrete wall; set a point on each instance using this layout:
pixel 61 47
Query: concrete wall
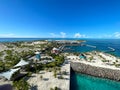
pixel 96 71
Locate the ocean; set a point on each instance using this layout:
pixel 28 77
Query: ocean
pixel 32 39
pixel 19 39
pixel 81 81
pixel 100 44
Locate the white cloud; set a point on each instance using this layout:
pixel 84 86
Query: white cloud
pixel 117 34
pixel 7 35
pixel 78 35
pixel 11 35
pixel 53 34
pixel 63 35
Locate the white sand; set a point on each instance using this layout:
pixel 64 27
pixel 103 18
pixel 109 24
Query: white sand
pixel 4 81
pixel 97 60
pixel 49 81
pixel 72 57
pixel 2 47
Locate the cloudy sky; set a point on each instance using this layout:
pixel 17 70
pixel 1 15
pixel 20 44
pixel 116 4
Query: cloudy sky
pixel 60 18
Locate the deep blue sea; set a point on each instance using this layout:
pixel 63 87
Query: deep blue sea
pixel 81 81
pixel 32 39
pixel 19 39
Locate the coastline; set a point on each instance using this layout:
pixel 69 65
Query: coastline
pixel 102 72
pixel 80 67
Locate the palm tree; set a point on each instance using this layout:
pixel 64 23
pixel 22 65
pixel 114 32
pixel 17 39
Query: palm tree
pixel 56 88
pixel 55 74
pixel 2 66
pixel 41 77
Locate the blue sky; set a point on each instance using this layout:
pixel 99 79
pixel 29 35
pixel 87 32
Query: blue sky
pixel 60 18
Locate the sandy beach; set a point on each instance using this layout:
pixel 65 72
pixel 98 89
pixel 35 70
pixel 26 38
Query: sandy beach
pixel 97 60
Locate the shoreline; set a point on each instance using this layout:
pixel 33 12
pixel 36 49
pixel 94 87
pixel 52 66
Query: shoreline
pixel 90 64
pixel 112 74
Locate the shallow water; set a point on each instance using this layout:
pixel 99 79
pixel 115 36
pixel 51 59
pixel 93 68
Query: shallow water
pixel 86 82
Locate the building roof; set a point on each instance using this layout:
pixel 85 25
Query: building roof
pixel 37 52
pixel 8 74
pixel 21 63
pixel 55 48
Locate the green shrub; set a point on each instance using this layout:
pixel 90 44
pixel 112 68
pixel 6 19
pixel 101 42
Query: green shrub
pixel 51 89
pixel 56 88
pixel 104 60
pixel 21 85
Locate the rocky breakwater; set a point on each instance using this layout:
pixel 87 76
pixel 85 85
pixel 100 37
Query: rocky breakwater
pixel 113 74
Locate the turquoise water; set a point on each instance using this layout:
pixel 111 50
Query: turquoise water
pixel 86 82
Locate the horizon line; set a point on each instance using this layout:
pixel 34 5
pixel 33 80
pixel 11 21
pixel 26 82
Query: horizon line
pixel 59 37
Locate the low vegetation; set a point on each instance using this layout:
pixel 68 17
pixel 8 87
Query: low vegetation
pixel 55 88
pixel 2 66
pixel 21 85
pixel 12 56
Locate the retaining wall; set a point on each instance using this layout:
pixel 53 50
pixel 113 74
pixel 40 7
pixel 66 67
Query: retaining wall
pixel 96 71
